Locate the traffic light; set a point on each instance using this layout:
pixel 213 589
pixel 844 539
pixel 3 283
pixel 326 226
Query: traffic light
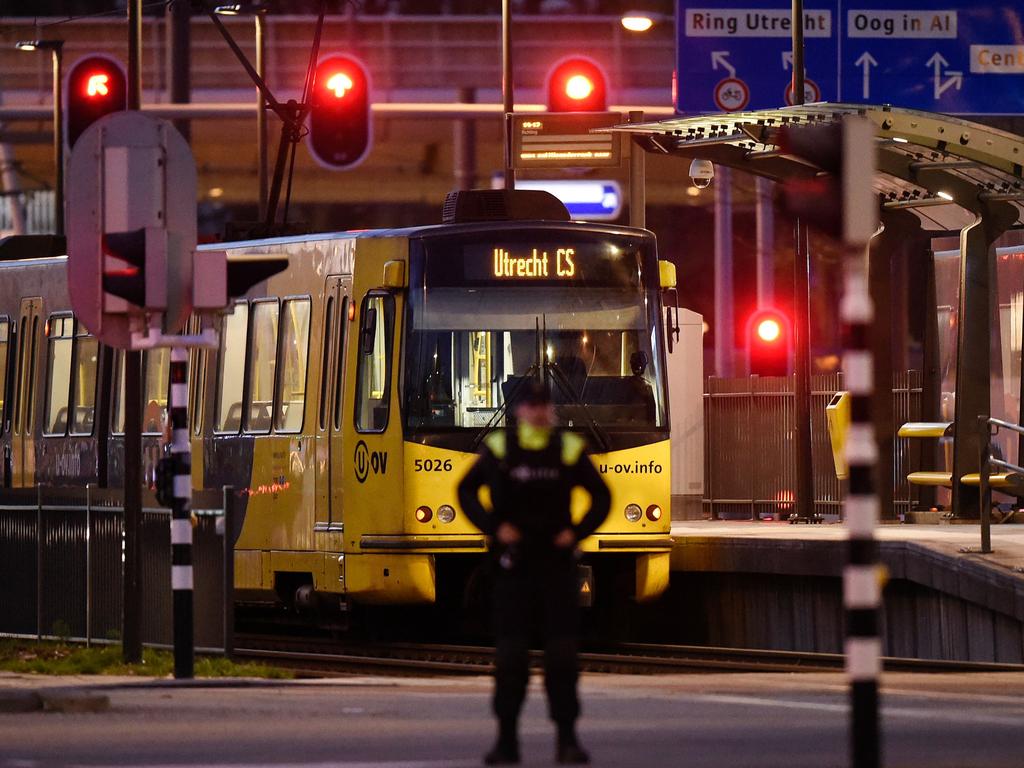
pixel 96 86
pixel 840 202
pixel 127 259
pixel 340 122
pixel 769 343
pixel 577 84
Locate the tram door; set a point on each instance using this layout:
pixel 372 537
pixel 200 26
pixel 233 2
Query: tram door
pixel 330 416
pixel 23 459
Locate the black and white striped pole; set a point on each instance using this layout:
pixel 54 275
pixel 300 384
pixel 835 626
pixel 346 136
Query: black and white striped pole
pixel 181 515
pixel 845 206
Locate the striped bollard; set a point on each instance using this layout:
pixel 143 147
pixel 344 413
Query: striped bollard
pixel 862 585
pixel 181 516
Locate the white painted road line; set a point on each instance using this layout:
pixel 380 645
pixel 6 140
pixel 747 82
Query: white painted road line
pixel 951 715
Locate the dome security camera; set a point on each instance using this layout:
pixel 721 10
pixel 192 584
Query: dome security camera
pixel 701 173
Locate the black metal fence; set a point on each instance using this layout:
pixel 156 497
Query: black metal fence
pixel 750 445
pixel 62 566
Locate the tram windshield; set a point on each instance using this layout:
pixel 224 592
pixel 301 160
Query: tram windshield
pixel 482 319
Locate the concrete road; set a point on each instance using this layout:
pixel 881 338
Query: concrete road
pixel 692 721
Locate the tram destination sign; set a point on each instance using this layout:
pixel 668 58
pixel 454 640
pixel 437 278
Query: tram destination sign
pixel 564 140
pixel 528 261
pixel 952 56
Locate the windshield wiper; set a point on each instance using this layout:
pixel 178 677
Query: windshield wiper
pixel 560 379
pixel 503 408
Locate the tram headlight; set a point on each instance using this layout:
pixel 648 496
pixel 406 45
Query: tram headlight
pixel 633 512
pixel 423 514
pixel 654 513
pixel 446 513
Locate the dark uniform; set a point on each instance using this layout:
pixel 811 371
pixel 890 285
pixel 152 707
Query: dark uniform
pixel 531 472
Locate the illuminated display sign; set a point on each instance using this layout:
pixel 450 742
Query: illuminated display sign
pixel 596 262
pixel 538 264
pixel 564 140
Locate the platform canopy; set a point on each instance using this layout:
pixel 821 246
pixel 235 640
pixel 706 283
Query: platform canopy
pixel 951 174
pixel 920 154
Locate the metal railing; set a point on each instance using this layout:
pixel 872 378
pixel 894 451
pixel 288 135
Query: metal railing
pixel 750 446
pixel 62 566
pixel 985 465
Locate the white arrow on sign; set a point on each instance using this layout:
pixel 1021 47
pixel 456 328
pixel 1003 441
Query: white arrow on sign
pixel 955 78
pixel 787 60
pixel 721 59
pixel 867 61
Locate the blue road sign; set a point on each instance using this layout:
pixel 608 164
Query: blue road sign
pixel 599 200
pixel 951 56
pixel 737 54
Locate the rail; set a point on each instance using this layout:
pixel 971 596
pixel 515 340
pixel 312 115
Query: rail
pixel 323 658
pixel 985 464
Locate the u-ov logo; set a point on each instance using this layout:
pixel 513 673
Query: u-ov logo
pixel 367 460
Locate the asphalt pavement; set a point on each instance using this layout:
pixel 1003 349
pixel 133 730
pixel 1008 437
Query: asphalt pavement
pixel 693 721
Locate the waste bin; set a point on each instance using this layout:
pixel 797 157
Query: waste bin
pixel 837 412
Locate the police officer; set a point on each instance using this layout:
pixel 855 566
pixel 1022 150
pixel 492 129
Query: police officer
pixel 531 469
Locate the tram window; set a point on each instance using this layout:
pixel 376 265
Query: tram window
pixel 325 361
pixel 117 415
pixel 61 335
pixel 294 355
pixel 197 374
pixel 262 366
pixel 5 341
pixel 30 379
pixel 339 362
pixel 230 379
pixel 19 374
pixel 374 378
pixel 157 366
pixel 83 392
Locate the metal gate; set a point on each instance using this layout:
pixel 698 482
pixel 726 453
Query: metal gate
pixel 750 446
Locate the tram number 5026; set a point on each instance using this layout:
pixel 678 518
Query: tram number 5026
pixel 432 465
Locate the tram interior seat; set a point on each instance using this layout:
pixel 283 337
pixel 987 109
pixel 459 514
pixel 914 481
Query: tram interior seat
pixel 60 423
pixel 291 416
pixel 83 420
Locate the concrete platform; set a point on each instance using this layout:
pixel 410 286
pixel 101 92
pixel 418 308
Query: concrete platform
pixel 944 600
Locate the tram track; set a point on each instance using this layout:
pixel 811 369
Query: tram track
pixel 321 658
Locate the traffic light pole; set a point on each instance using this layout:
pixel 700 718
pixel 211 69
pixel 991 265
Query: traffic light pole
pixel 181 515
pixel 174 489
pixel 132 620
pixel 507 91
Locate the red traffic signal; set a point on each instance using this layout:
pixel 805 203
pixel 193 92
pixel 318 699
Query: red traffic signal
pixel 577 84
pixel 340 122
pixel 96 86
pixel 769 343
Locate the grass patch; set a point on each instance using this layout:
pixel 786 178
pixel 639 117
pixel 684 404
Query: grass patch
pixel 56 658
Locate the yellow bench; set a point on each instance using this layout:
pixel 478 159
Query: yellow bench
pixel 927 429
pixel 1011 482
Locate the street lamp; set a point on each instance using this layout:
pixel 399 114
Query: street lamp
pixel 56 49
pixel 258 11
pixel 641 21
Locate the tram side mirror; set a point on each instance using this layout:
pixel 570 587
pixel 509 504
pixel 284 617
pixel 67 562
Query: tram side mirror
pixel 671 319
pixel 369 331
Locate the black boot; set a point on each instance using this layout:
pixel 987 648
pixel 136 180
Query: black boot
pixel 502 754
pixel 569 751
pixel 506 749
